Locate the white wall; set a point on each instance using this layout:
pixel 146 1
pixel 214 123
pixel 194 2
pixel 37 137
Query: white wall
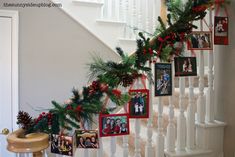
pixel 225 85
pixel 53 53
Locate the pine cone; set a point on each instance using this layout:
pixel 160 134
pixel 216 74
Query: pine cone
pixel 24 120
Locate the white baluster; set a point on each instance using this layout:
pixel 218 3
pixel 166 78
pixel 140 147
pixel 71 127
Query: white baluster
pixel 126 18
pixel 125 139
pixel 137 128
pixel 121 11
pixel 155 13
pixel 87 126
pixel 147 16
pixel 210 91
pixel 149 148
pixel 181 120
pixel 113 146
pixel 190 118
pixel 170 135
pixel 140 8
pixel 125 146
pixel 113 10
pixel 133 19
pixel 105 9
pixel 160 136
pixel 100 151
pixel 201 98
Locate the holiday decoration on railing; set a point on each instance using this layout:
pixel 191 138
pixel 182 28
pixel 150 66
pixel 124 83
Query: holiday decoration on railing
pixel 108 76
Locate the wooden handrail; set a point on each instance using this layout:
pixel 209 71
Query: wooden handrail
pixel 31 143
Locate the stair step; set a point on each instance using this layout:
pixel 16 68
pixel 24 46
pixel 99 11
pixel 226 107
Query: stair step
pixel 192 153
pixel 107 21
pixel 87 3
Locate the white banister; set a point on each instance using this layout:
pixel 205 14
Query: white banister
pixel 181 120
pixel 149 148
pixel 170 134
pixel 121 10
pixel 210 91
pixel 134 18
pixel 113 146
pixel 201 98
pixel 113 9
pixel 105 9
pixel 190 143
pixel 160 136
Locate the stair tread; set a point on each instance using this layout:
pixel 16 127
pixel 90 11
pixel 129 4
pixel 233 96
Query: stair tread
pixel 103 20
pixel 187 152
pixel 88 3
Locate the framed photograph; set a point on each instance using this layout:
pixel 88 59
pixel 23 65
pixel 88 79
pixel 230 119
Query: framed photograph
pixel 62 145
pixel 87 139
pixel 163 79
pixel 200 40
pixel 185 66
pixel 113 124
pixel 139 103
pixel 221 31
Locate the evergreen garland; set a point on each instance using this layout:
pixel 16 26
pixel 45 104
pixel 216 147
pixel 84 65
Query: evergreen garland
pixel 108 76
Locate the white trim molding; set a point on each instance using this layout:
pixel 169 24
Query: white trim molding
pixel 14 15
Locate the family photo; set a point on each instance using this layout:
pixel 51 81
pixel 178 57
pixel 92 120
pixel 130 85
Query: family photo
pixel 87 139
pixel 114 125
pixel 185 66
pixel 200 41
pixel 62 145
pixel 221 30
pixel 163 79
pixel 139 103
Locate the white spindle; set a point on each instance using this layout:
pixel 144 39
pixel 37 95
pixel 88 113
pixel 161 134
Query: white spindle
pixel 210 91
pixel 201 98
pixel 181 120
pixel 121 11
pixel 147 16
pixel 113 146
pixel 155 13
pixel 140 8
pixel 137 128
pixel 133 18
pixel 100 151
pixel 170 135
pixel 149 148
pixel 126 19
pixel 105 9
pixel 160 136
pixel 113 9
pixel 125 143
pixel 190 118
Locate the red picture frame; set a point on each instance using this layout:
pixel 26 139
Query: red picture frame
pixel 221 30
pixel 138 106
pixel 118 128
pixel 200 40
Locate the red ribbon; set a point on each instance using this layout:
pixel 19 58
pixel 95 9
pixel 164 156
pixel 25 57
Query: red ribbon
pixel 162 41
pixel 143 81
pixel 219 3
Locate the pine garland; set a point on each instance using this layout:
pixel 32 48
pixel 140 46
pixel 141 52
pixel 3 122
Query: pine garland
pixel 108 76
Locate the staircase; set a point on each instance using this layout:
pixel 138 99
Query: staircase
pixel 179 126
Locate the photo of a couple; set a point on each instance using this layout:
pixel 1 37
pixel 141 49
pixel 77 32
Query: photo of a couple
pixel 139 103
pixel 200 41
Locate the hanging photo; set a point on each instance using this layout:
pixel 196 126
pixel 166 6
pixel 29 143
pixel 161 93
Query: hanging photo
pixel 185 66
pixel 139 103
pixel 200 40
pixel 221 31
pixel 87 139
pixel 62 144
pixel 163 79
pixel 113 124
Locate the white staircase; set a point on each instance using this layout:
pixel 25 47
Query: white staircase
pixel 114 22
pixel 179 126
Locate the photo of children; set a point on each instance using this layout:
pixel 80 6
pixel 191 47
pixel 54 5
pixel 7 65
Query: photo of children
pixel 163 79
pixel 62 145
pixel 87 139
pixel 114 125
pixel 200 41
pixel 139 103
pixel 185 66
pixel 221 31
